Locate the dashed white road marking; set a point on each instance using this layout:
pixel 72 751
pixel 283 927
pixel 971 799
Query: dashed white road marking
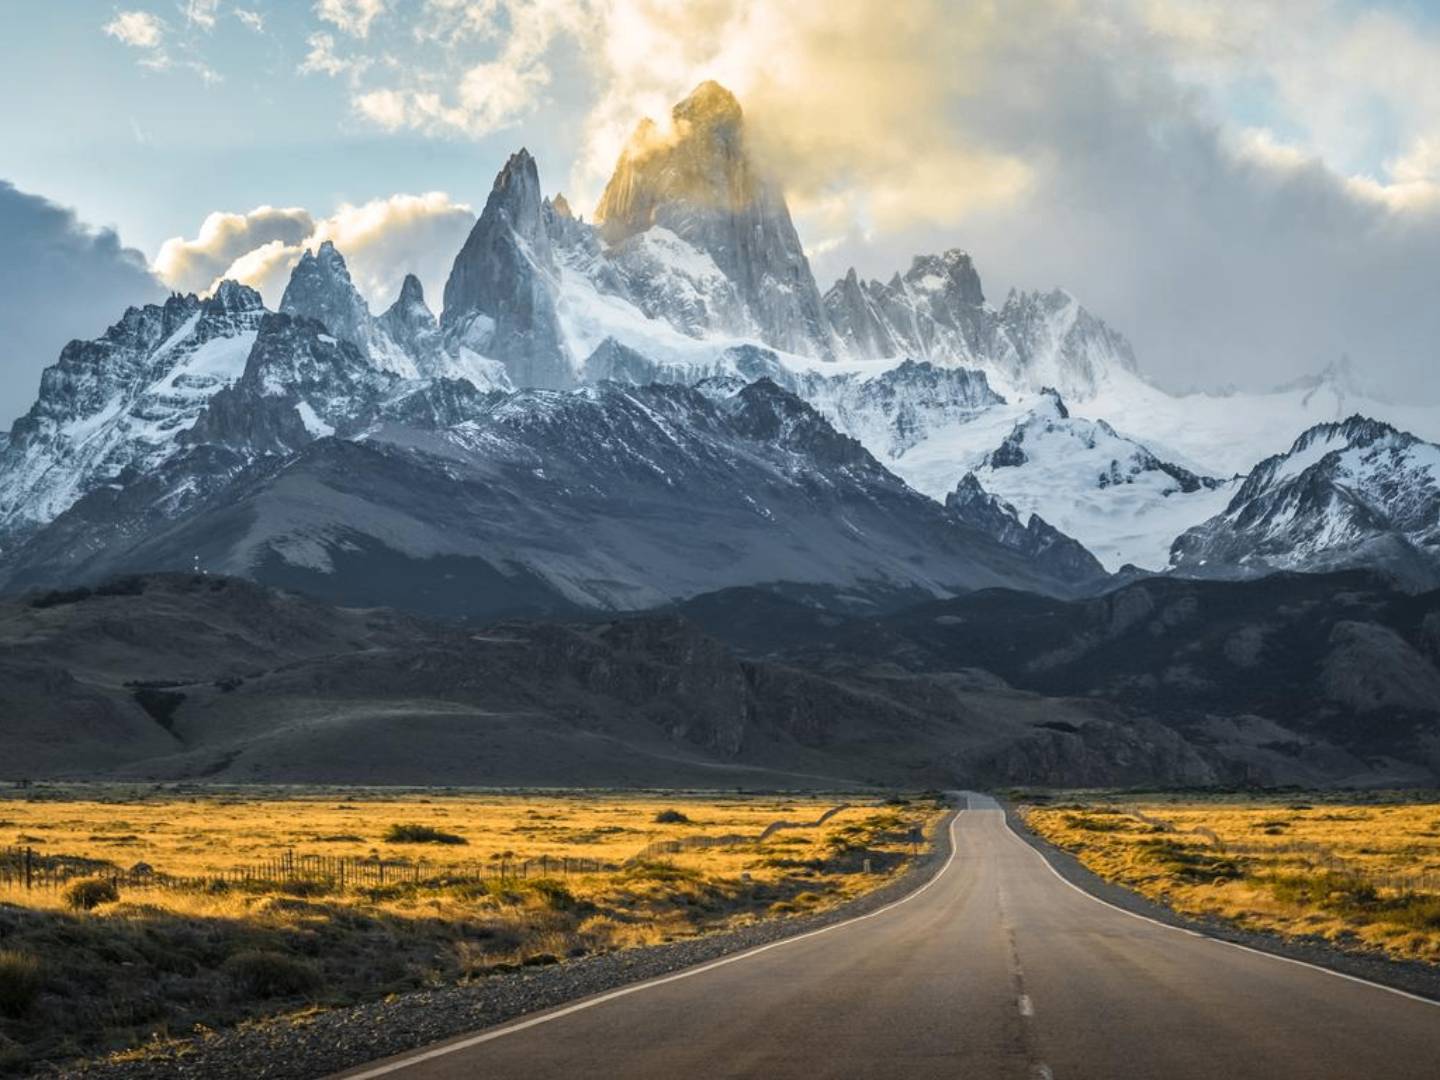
pixel 1026 1007
pixel 1042 1072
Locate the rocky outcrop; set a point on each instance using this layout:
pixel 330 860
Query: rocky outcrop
pixel 412 325
pixel 320 288
pixel 700 181
pixel 936 311
pixel 1036 538
pixel 300 383
pixel 902 407
pixel 500 298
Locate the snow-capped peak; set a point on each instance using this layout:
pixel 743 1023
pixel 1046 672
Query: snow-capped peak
pixel 113 407
pixel 1355 492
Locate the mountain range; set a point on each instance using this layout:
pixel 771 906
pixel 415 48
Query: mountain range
pixel 661 404
pixel 149 447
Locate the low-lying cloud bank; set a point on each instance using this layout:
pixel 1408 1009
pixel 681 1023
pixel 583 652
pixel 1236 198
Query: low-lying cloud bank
pixel 59 279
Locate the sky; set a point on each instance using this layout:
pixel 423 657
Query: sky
pixel 1249 190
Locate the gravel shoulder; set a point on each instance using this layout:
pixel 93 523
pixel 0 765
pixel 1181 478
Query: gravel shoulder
pixel 335 1040
pixel 1411 976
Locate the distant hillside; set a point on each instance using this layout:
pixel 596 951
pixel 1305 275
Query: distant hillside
pixel 190 676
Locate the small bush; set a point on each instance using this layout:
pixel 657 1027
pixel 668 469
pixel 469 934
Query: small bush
pixel 671 817
pixel 302 887
pixel 265 973
pixel 420 834
pixel 648 870
pixel 89 894
pixel 19 981
pixel 555 894
pixel 1190 864
pixel 1090 824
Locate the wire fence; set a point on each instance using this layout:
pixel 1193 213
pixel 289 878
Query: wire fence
pixel 28 868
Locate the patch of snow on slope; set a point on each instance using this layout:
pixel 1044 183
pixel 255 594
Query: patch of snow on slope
pixel 311 419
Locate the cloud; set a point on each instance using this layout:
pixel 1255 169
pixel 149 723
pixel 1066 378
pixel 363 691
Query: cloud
pixel 192 265
pixel 60 279
pixel 351 16
pixel 1227 252
pixel 382 240
pixel 450 96
pixel 149 34
pixel 856 118
pixel 138 29
pixel 253 19
pixel 202 13
pixel 321 59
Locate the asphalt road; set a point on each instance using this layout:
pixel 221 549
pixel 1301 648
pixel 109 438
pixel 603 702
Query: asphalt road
pixel 997 968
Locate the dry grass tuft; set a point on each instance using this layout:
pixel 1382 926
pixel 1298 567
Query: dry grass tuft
pixel 1357 875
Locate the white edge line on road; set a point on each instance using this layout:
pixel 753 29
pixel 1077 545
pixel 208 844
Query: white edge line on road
pixel 1207 937
pixel 635 988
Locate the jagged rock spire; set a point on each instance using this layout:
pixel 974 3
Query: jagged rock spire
pixel 700 181
pixel 320 288
pixel 500 296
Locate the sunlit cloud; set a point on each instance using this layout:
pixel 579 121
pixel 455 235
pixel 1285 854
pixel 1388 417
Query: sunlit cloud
pixel 191 265
pixel 149 34
pixel 351 16
pixel 138 29
pixel 382 240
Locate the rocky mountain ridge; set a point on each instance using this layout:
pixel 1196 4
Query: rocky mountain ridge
pixel 1357 493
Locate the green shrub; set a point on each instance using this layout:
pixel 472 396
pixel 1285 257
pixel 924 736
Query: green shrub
pixel 671 817
pixel 265 973
pixel 89 894
pixel 420 834
pixel 19 981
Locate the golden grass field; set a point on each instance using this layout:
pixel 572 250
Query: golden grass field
pixel 214 953
pixel 1360 874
